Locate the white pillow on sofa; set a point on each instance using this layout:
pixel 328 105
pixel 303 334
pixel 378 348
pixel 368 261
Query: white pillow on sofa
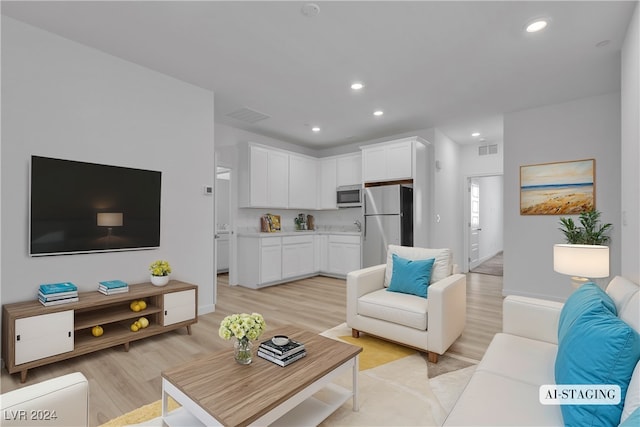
pixel 441 266
pixel 632 400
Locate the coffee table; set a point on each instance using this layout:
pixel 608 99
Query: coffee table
pixel 216 390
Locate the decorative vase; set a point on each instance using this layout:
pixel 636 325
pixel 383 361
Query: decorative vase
pixel 242 351
pixel 159 280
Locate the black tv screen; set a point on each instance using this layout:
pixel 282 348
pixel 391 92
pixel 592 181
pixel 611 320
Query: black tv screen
pixel 78 207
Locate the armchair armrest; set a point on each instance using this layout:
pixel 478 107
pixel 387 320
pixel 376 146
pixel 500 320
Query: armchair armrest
pixel 361 282
pixel 447 311
pixel 531 318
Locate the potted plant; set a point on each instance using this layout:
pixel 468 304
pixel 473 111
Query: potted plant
pixel 590 233
pixel 160 270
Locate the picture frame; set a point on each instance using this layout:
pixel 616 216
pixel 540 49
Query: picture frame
pixel 558 188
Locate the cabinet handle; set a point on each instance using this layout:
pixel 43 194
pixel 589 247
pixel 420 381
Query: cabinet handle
pixel 165 312
pixel 69 334
pixel 18 338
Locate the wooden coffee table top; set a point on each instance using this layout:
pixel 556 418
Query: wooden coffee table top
pixel 237 395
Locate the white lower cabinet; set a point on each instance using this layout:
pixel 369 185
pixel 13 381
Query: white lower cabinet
pixel 179 307
pixel 269 260
pixel 343 254
pixel 297 256
pixel 37 337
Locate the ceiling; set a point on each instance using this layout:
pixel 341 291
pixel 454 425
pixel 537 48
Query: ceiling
pixel 458 66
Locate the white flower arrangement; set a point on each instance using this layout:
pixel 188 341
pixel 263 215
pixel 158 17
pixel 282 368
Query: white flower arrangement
pixel 242 326
pixel 160 268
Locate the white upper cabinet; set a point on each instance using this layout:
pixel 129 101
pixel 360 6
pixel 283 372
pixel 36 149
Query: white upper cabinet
pixel 264 177
pixel 302 182
pixel 388 161
pixel 349 169
pixel 327 183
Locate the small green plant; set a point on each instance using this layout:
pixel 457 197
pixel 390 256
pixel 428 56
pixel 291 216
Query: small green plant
pixel 590 233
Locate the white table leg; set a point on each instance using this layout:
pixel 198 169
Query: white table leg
pixel 356 405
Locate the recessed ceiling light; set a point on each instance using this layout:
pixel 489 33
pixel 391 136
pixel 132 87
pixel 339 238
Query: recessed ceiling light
pixel 315 129
pixel 378 113
pixel 357 86
pixel 475 134
pixel 537 25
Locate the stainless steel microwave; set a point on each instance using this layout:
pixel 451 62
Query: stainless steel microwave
pixel 349 196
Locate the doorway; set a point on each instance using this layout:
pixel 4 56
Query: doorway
pixel 485 224
pixel 223 220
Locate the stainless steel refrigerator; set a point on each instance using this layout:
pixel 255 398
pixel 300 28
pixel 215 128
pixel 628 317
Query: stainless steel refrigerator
pixel 388 220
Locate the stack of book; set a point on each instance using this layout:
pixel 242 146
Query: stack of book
pixel 111 287
pixel 57 293
pixel 282 355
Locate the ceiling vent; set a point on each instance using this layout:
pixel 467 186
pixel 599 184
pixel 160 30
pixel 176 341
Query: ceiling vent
pixel 484 150
pixel 248 115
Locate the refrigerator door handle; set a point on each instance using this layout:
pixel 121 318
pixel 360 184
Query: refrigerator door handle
pixel 364 234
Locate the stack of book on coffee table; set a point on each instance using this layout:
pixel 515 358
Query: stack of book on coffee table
pixel 282 355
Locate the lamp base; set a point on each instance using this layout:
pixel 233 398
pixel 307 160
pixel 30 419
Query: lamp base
pixel 578 281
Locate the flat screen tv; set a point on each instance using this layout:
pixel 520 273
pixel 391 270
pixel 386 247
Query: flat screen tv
pixel 78 207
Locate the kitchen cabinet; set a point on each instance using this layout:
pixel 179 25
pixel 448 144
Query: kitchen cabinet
pixel 260 260
pixel 263 177
pixel 327 183
pixel 388 161
pixel 222 253
pixel 322 253
pixel 297 256
pixel 349 169
pixel 302 182
pixel 343 254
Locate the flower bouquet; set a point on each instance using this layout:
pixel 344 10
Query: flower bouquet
pixel 160 270
pixel 244 328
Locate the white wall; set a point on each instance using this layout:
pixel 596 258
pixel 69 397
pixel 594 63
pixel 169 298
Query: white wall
pixel 62 99
pixel 630 125
pixel 581 129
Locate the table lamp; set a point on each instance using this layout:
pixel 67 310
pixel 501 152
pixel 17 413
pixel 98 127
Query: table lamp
pixel 583 262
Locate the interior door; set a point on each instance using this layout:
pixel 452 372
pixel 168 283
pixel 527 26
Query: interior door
pixel 474 223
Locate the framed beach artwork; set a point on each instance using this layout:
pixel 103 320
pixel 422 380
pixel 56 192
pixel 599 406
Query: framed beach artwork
pixel 563 188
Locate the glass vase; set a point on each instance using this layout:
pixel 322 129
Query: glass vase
pixel 242 351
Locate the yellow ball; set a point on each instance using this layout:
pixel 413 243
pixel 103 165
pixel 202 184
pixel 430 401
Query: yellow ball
pixel 97 331
pixel 144 322
pixel 143 304
pixel 134 327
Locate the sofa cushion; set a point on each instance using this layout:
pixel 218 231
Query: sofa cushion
pixel 587 298
pixel 597 348
pixel 411 276
pixel 441 267
pixel 494 400
pixel 523 359
pixel 403 309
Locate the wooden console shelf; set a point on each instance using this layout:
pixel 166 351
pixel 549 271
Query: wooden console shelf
pixel 34 335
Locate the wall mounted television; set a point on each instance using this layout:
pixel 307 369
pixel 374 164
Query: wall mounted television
pixel 78 207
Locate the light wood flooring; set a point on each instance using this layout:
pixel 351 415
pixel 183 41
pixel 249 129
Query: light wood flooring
pixel 122 381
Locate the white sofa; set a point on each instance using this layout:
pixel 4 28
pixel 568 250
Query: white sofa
pixel 61 401
pixel 429 324
pixel 504 390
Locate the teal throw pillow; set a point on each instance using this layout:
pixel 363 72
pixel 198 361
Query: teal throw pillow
pixel 597 348
pixel 586 298
pixel 411 276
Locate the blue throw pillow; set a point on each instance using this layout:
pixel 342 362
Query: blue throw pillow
pixel 585 299
pixel 597 348
pixel 411 276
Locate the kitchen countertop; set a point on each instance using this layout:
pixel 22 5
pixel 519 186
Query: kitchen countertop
pixel 249 233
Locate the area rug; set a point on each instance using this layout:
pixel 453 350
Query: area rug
pixel 395 388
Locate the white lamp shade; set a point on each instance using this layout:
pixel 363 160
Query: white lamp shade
pixel 590 261
pixel 110 219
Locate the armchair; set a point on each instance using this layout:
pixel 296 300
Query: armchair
pixel 429 324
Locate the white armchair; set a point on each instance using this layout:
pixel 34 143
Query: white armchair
pixel 429 324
